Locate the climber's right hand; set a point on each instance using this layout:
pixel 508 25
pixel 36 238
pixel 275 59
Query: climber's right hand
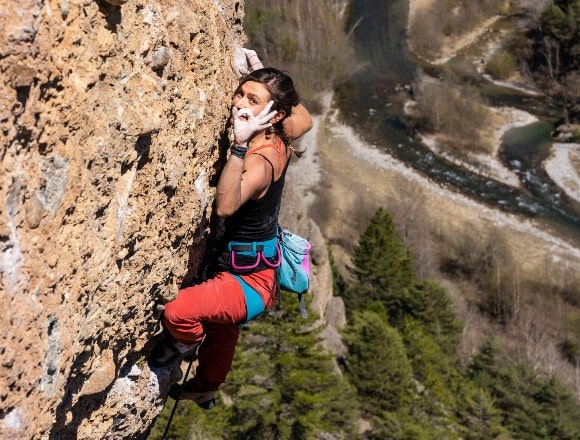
pixel 246 125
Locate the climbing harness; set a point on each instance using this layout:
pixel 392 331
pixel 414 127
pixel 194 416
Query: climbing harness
pixel 261 250
pixel 290 253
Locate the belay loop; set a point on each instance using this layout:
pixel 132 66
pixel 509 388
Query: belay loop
pixel 260 250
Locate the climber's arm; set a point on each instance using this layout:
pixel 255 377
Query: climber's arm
pixel 244 177
pixel 298 123
pixel 241 180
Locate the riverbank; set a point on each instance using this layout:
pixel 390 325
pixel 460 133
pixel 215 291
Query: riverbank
pixel 562 166
pixel 489 165
pixel 342 179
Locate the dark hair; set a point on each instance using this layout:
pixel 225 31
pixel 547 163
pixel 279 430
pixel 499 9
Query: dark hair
pixel 281 88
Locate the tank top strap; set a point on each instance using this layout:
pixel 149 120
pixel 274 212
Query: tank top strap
pixel 277 146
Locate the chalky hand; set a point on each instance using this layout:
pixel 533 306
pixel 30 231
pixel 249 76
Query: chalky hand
pixel 246 124
pixel 250 63
pixel 253 60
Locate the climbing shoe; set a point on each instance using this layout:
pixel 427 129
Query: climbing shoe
pixel 167 352
pixel 190 391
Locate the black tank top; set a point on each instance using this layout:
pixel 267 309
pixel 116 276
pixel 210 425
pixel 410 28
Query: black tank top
pixel 257 220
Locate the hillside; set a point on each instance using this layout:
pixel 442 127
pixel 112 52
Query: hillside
pixel 450 234
pixel 530 296
pixel 355 179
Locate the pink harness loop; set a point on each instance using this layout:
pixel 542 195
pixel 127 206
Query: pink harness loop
pixel 259 256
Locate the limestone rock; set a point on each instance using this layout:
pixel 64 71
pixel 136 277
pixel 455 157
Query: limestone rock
pixel 110 124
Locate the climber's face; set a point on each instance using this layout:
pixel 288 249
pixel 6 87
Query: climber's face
pixel 252 95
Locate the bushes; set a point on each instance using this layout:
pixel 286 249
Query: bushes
pixel 450 110
pixel 426 36
pixel 501 65
pixel 489 264
pixel 571 346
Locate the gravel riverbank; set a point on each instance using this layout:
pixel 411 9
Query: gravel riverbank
pixel 561 169
pixel 341 163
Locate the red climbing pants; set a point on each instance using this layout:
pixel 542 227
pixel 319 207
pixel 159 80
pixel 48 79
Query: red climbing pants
pixel 214 309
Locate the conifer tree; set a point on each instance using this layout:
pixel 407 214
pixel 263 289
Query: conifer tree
pixel 382 263
pixel 434 369
pixel 479 418
pixel 283 385
pixel 429 304
pixel 555 59
pixel 377 364
pixel 530 406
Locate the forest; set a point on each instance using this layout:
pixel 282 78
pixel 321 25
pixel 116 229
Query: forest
pixel 402 377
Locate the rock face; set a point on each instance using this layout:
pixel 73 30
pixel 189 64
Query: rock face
pixel 111 120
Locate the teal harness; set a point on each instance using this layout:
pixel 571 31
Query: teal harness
pixel 261 250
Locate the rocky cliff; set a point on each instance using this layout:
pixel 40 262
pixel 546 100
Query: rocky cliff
pixel 111 121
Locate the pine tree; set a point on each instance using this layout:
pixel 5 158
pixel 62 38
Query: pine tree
pixel 530 406
pixel 382 263
pixel 479 417
pixel 284 386
pixel 429 304
pixel 555 59
pixel 377 364
pixel 560 22
pixel 434 369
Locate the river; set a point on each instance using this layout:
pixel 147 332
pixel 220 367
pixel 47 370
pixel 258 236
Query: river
pixel 372 102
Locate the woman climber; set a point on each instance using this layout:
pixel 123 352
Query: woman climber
pixel 266 116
